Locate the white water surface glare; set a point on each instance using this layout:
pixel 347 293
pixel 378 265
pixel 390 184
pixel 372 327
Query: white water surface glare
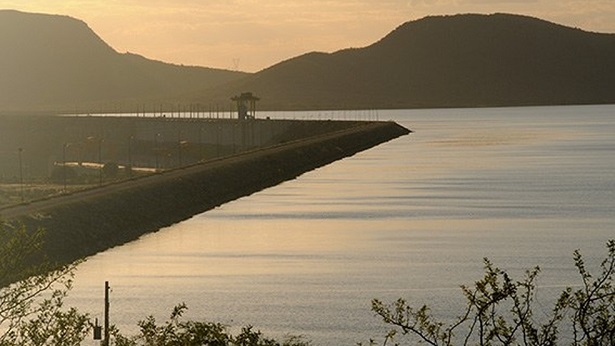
pixel 412 218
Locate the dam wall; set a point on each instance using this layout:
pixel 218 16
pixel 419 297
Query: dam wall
pixel 141 142
pixel 84 223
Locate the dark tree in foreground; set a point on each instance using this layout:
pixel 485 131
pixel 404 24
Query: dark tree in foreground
pixel 499 312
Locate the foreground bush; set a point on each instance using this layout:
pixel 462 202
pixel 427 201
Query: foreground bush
pixel 191 333
pixel 31 296
pixel 499 311
pixel 32 311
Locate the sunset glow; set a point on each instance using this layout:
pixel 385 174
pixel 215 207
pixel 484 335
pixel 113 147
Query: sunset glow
pixel 250 35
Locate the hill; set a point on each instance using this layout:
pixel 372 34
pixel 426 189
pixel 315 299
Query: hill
pixel 57 62
pixel 448 61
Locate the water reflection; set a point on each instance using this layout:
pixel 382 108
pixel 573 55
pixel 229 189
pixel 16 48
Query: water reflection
pixel 413 217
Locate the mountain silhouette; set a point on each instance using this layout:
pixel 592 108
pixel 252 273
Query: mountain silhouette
pixel 50 61
pixel 449 61
pixel 55 62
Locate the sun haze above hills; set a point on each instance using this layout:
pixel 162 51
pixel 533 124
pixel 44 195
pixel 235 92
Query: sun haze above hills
pixel 59 63
pixel 250 35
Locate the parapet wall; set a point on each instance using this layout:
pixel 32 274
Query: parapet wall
pixel 81 224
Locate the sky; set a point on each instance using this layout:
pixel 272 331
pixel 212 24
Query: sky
pixel 250 35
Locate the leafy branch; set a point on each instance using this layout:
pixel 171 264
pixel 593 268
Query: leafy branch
pixel 499 311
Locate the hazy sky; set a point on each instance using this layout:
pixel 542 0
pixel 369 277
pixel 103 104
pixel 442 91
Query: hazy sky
pixel 250 35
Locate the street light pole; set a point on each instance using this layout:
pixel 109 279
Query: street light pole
pixel 200 142
pixel 64 164
pixel 100 170
pixel 179 148
pixel 130 156
pixel 20 150
pixel 156 149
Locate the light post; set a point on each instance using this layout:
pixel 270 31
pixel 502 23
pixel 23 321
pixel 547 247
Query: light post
pixel 64 164
pixel 91 139
pixel 129 168
pixel 20 150
pixel 181 144
pixel 200 142
pixel 156 149
pixel 100 170
pixel 218 129
pixel 179 148
pixel 234 126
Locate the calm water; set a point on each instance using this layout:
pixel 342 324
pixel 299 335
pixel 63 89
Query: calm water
pixel 410 218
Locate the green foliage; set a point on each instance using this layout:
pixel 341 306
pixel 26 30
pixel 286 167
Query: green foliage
pixel 32 308
pixel 17 247
pixel 594 304
pixel 31 295
pixel 499 312
pixel 191 333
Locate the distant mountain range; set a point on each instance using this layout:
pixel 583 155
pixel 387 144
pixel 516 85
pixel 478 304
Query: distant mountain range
pixel 56 62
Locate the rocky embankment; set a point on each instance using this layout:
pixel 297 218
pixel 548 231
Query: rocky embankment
pixel 84 223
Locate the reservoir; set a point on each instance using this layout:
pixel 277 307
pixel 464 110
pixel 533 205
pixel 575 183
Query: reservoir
pixel 412 218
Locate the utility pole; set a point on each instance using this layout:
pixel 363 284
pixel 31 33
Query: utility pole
pixel 106 338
